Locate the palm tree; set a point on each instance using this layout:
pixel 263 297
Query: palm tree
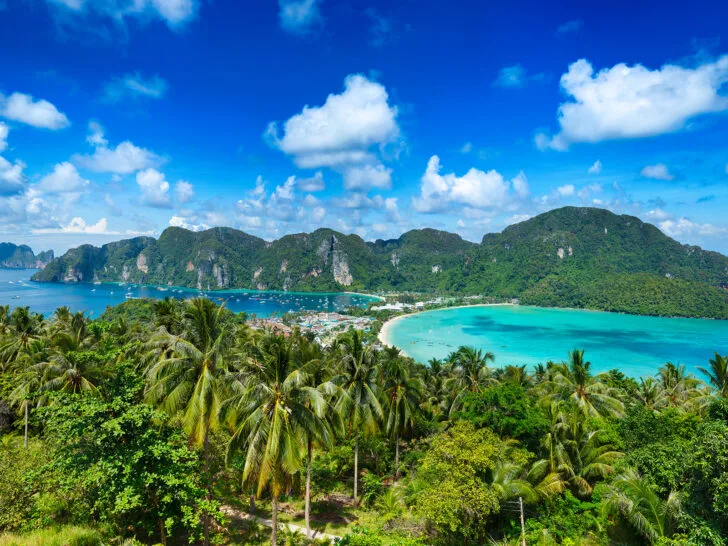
pixel 651 394
pixel 470 373
pixel 718 374
pixel 358 403
pixel 575 381
pixel 274 408
pixel 24 328
pixel 514 375
pixel 680 388
pixel 317 373
pixel 188 372
pixel 402 393
pixel 635 500
pixel 71 372
pixel 577 452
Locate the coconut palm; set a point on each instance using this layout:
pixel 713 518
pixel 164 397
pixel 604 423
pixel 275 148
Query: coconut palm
pixel 274 409
pixel 514 375
pixel 72 333
pixel 680 389
pixel 358 401
pixel 638 503
pixel 24 328
pixel 402 393
pixel 72 372
pixel 470 373
pixel 188 374
pixel 574 381
pixel 651 394
pixel 576 451
pixel 717 374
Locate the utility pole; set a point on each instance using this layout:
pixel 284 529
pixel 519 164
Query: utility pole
pixel 523 523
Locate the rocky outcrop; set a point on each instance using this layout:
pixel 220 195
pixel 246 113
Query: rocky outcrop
pixel 340 268
pixel 22 257
pixel 141 263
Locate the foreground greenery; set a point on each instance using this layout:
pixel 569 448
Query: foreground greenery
pixel 568 257
pixel 171 420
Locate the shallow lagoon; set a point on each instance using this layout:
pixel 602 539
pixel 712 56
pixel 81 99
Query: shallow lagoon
pixel 528 335
pixel 17 290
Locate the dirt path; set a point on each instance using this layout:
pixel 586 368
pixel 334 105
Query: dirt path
pixel 239 514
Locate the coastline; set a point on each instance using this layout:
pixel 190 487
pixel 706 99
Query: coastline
pixel 385 332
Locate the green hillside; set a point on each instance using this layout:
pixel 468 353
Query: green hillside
pixel 22 257
pixel 569 257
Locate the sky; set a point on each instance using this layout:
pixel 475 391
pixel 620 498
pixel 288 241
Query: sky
pixel 120 118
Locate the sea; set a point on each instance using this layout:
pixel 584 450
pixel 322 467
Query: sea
pixel 17 290
pixel 636 345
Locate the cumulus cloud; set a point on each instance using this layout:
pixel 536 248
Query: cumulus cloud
pixel 134 86
pixel 175 13
pixel 183 191
pixel 38 113
pixel 11 177
pixel 155 189
pixel 596 168
pixel 125 158
pixel 516 76
pixel 343 130
pixel 299 16
pixel 476 189
pixel 187 223
pixel 657 172
pixel 313 184
pixel 683 227
pixel 567 190
pixel 4 131
pixel 63 179
pixel 367 176
pixel 79 225
pixel 626 102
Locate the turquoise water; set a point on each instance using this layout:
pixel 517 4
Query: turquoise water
pixel 528 335
pixel 17 290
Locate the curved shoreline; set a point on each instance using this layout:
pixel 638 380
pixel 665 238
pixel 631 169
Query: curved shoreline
pixel 385 332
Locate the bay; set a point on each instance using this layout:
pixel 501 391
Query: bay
pixel 636 345
pixel 16 289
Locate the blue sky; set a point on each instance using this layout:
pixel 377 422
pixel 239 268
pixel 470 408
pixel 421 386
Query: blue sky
pixel 123 117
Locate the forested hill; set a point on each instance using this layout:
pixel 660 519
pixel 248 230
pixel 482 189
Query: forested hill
pixel 22 257
pixel 569 257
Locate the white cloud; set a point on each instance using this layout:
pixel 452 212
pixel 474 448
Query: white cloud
pixel 625 102
pixel 184 191
pixel 314 184
pixel 566 190
pixel 658 215
pixel 596 168
pixel 96 134
pixel 299 16
pixel 569 27
pixel 182 222
pixel 467 148
pixel 342 131
pixel 11 177
pixel 126 158
pixel 175 13
pixel 155 189
pixel 658 172
pixel 38 113
pixel 63 179
pixel 134 86
pixel 367 176
pixel 683 227
pixel 4 131
pixel 475 189
pixel 79 225
pixel 520 185
pixel 516 76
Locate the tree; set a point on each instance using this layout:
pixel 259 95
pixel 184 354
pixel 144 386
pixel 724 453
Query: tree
pixel 470 373
pixel 575 381
pixel 190 373
pixel 402 393
pixel 123 460
pixel 637 502
pixel 358 402
pixel 274 409
pixel 718 374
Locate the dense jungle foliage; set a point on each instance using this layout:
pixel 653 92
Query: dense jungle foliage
pixel 168 422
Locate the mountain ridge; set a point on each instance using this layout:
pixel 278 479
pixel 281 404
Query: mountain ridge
pixel 14 256
pixel 568 257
